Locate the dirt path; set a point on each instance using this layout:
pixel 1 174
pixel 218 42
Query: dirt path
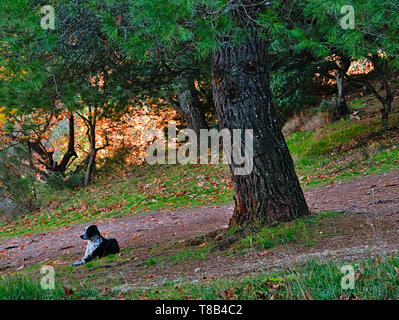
pixel 133 231
pixel 367 194
pixel 374 198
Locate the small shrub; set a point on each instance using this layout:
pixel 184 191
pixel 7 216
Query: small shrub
pixel 56 181
pixel 75 180
pixel 17 180
pixel 293 90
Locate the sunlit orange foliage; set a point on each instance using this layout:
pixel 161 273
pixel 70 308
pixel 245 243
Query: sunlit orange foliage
pixel 129 130
pixel 361 66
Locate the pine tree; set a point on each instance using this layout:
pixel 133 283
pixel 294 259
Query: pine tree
pixel 228 32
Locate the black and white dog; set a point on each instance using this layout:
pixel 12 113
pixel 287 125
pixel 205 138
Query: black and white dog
pixel 97 245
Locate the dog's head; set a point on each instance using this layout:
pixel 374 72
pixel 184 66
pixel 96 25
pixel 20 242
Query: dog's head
pixel 90 232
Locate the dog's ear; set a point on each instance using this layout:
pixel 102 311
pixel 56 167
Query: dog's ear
pixel 95 229
pixel 92 231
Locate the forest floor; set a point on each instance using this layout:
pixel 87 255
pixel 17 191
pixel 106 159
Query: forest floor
pixel 155 249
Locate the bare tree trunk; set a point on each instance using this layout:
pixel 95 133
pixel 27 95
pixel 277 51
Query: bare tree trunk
pixel 341 108
pixel 90 167
pixel 71 153
pixel 46 157
pixel 386 103
pixel 190 105
pixel 385 111
pixel 91 132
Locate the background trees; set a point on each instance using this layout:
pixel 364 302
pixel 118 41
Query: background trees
pixel 73 69
pixel 314 26
pixel 374 38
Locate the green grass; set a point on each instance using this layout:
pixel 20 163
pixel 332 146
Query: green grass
pixel 25 287
pixel 306 145
pixel 356 103
pixel 125 254
pixel 20 287
pixel 305 231
pixel 374 279
pixel 343 150
pixel 191 253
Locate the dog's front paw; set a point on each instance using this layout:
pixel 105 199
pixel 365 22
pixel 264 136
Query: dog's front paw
pixel 78 263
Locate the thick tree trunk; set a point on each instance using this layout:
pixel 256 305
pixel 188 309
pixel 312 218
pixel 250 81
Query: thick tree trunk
pixel 243 101
pixel 190 106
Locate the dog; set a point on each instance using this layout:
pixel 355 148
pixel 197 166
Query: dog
pixel 97 245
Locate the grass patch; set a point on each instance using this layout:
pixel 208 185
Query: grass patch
pixel 356 104
pixel 305 231
pixel 309 144
pixel 343 150
pixel 124 255
pixel 22 287
pixel 374 279
pixel 192 253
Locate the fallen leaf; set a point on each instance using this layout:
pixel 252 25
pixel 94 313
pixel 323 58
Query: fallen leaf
pixel 229 293
pixel 68 291
pixel 263 253
pixel 135 237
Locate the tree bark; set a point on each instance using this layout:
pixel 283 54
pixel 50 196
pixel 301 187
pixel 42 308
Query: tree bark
pixel 91 133
pixel 90 167
pixel 385 111
pixel 341 108
pixel 71 153
pixel 386 99
pixel 46 157
pixel 386 102
pixel 243 101
pixel 190 106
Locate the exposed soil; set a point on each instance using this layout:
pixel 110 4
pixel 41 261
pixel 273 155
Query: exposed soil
pixel 368 226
